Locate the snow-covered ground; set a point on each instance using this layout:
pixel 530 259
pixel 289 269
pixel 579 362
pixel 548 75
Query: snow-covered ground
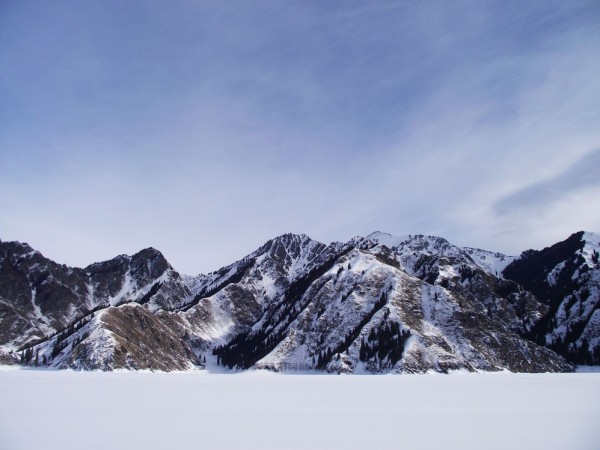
pixel 49 410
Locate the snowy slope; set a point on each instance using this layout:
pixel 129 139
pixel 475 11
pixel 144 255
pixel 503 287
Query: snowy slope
pixel 235 296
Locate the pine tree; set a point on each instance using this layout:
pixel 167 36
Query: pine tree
pixel 362 353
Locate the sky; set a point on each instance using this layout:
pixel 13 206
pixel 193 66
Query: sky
pixel 206 128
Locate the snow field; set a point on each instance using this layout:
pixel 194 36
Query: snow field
pixel 259 410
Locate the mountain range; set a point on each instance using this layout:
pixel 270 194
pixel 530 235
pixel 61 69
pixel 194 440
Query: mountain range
pixel 376 304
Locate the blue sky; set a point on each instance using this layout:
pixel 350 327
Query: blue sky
pixel 206 128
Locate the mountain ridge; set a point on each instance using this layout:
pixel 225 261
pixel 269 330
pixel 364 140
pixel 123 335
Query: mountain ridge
pixel 379 303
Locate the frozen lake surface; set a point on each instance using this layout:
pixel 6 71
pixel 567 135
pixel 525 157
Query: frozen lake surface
pixel 45 410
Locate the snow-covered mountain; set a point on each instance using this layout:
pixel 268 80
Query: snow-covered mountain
pixel 375 304
pixel 566 277
pixel 403 304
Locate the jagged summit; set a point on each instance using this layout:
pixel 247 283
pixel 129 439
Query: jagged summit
pixel 292 237
pixel 296 249
pixel 149 252
pixel 386 239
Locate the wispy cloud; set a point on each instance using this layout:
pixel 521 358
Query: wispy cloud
pixel 543 194
pixel 206 128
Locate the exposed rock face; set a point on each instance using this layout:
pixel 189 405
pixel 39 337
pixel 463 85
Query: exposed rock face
pixel 566 277
pixel 375 304
pixel 242 290
pixel 133 337
pixel 39 297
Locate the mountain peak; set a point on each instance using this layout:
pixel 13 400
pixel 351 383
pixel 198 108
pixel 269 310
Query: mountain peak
pixel 16 246
pixel 150 253
pixel 418 241
pixel 386 239
pixel 293 237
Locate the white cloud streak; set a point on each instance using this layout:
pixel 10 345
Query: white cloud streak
pixel 204 131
